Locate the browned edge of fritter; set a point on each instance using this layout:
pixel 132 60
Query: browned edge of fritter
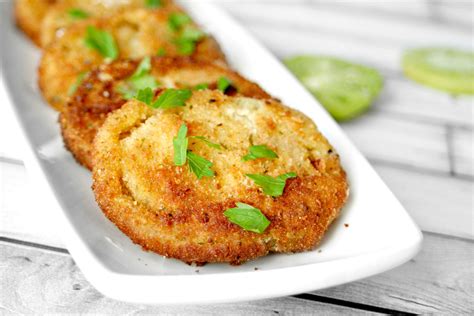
pixel 84 113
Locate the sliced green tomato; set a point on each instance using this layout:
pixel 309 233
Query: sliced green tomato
pixel 441 68
pixel 343 88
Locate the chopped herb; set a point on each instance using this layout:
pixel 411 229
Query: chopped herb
pixel 271 186
pixel 77 14
pixel 177 20
pixel 187 40
pixel 143 68
pixel 185 47
pixel 145 96
pixel 187 35
pixel 207 142
pixel 199 165
pixel 153 4
pixel 161 52
pixel 180 144
pixel 171 98
pixel 201 86
pixel 259 151
pixel 102 42
pixel 247 217
pixel 223 83
pixel 139 80
pixel 80 78
pixel 192 34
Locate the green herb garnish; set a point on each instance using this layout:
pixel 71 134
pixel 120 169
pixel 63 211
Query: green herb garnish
pixel 161 52
pixel 102 42
pixel 186 36
pixel 171 98
pixel 223 83
pixel 153 4
pixel 247 217
pixel 139 80
pixel 271 186
pixel 180 145
pixel 201 86
pixel 199 165
pixel 177 20
pixel 259 151
pixel 143 68
pixel 187 40
pixel 80 78
pixel 207 142
pixel 77 14
pixel 145 96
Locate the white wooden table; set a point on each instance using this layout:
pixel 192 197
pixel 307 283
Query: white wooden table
pixel 419 140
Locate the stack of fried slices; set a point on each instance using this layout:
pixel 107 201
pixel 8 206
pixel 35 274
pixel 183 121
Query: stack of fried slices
pixel 189 159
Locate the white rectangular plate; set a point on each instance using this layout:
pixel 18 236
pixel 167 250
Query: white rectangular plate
pixel 380 236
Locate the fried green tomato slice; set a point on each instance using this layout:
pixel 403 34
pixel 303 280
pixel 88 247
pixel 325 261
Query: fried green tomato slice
pixel 444 69
pixel 167 209
pixel 343 88
pixel 102 92
pixel 66 12
pixel 129 34
pixel 29 15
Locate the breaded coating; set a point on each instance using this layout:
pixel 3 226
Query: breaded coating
pixel 59 16
pixel 138 33
pixel 29 15
pixel 100 94
pixel 166 209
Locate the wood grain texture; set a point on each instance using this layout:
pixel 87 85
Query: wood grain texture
pixel 440 280
pixel 42 282
pixel 415 144
pixel 440 204
pixel 463 151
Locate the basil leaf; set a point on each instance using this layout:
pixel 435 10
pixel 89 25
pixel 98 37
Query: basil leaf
pixel 259 151
pixel 77 14
pixel 223 83
pixel 79 80
pixel 145 96
pixel 199 165
pixel 171 98
pixel 153 4
pixel 102 42
pixel 207 142
pixel 177 20
pixel 271 186
pixel 180 145
pixel 247 217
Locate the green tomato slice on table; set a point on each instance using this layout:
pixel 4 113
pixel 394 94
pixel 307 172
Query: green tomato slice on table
pixel 343 88
pixel 444 69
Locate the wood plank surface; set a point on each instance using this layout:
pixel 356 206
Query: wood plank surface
pixel 439 280
pixel 42 282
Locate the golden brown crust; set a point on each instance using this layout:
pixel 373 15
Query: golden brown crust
pixel 166 209
pixel 57 19
pixel 138 33
pixel 29 15
pixel 98 95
